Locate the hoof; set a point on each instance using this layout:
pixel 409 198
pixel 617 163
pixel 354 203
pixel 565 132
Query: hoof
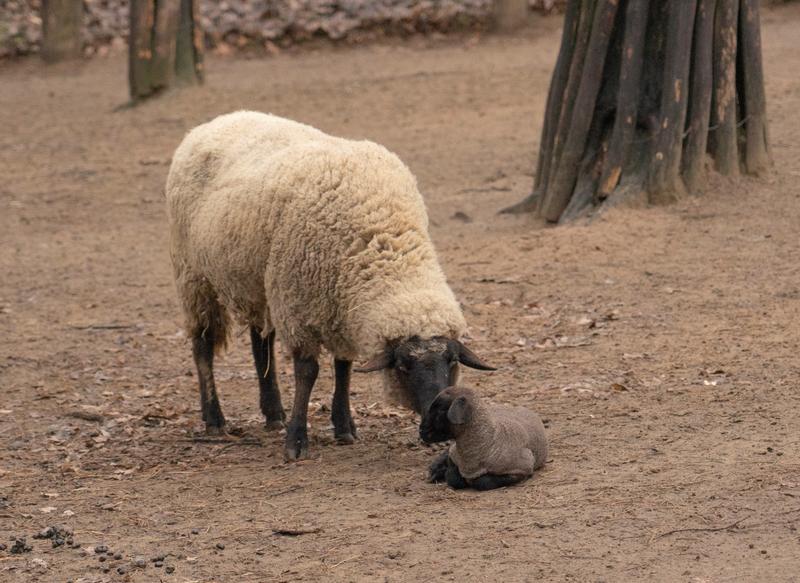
pixel 295 452
pixel 276 425
pixel 215 430
pixel 345 439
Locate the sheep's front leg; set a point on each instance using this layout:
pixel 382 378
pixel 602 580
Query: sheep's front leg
pixel 266 367
pixel 453 476
pixel 437 471
pixel 306 370
pixel 492 481
pixel 203 353
pixel 344 430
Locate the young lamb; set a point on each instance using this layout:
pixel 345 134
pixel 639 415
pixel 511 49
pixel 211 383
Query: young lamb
pixel 495 445
pixel 320 240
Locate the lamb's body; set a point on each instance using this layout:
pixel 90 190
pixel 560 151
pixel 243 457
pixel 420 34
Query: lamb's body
pixel 495 445
pixel 500 440
pixel 322 238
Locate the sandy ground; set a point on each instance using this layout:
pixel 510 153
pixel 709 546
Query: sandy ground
pixel 660 344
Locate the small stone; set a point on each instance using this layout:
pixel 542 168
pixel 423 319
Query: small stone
pixel 260 552
pixel 20 546
pixel 106 569
pixel 3 546
pixel 122 569
pixel 70 542
pixel 102 558
pixel 158 564
pixel 169 569
pixel 158 558
pixel 140 562
pixel 100 549
pixel 195 531
pixel 57 542
pixel 221 546
pixel 118 556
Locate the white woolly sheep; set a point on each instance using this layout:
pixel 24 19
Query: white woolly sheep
pixel 495 445
pixel 321 240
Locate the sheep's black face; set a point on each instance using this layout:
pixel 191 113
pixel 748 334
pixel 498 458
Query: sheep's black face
pixel 435 425
pixel 423 367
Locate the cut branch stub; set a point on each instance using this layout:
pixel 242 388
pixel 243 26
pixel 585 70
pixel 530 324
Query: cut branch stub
pixel 724 146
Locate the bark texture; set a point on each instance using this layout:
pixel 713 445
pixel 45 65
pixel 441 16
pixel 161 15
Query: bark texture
pixel 642 93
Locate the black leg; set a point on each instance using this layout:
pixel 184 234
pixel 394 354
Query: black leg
pixel 305 375
pixel 203 353
pixel 266 368
pixel 454 478
pixel 490 481
pixel 438 468
pixel 343 427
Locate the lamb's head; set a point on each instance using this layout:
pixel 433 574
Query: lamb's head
pixel 450 411
pixel 417 369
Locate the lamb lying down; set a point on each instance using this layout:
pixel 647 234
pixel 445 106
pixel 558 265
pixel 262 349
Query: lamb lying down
pixel 495 445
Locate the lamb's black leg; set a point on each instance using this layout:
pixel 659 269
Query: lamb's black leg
pixel 343 427
pixel 438 468
pixel 490 481
pixel 306 369
pixel 454 478
pixel 266 368
pixel 203 353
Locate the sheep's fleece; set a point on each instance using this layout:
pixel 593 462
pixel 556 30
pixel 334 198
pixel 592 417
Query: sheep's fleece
pixel 321 238
pixel 498 440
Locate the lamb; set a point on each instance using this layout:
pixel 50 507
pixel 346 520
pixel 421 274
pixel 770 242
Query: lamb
pixel 495 445
pixel 320 241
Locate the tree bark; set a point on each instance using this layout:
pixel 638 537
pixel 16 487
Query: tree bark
pixel 724 146
pixel 641 91
pixel 61 30
pixel 165 46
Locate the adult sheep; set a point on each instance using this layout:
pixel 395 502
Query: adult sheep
pixel 320 240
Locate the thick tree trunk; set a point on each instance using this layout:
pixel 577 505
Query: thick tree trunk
pixel 165 46
pixel 61 29
pixel 641 92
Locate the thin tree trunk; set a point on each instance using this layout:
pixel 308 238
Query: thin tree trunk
pixel 189 48
pixel 140 48
pixel 724 141
pixel 694 150
pixel 751 71
pixel 61 30
pixel 558 193
pixel 664 169
pixel 627 99
pixel 165 36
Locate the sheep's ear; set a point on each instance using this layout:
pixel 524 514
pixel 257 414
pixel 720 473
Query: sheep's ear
pixel 380 362
pixel 460 411
pixel 470 359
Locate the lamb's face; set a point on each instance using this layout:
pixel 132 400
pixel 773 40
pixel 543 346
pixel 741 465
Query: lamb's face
pixel 435 425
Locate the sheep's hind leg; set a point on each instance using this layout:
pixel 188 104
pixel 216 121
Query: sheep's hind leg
pixel 306 369
pixel 266 368
pixel 492 481
pixel 344 430
pixel 203 353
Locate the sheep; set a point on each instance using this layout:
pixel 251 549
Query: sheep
pixel 320 241
pixel 495 445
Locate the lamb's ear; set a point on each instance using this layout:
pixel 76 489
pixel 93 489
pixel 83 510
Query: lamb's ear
pixel 470 359
pixel 380 362
pixel 460 411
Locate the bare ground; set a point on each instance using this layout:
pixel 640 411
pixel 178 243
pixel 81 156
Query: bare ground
pixel 661 344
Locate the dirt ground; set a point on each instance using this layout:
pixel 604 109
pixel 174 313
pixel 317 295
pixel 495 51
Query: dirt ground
pixel 660 344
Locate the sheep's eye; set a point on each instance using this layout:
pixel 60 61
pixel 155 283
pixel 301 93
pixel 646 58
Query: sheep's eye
pixel 402 368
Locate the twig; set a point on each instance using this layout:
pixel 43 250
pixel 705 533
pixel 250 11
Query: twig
pixel 344 561
pixel 286 491
pixel 704 529
pixel 104 327
pixel 296 531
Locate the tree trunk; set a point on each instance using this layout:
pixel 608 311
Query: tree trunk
pixel 641 92
pixel 61 29
pixel 165 46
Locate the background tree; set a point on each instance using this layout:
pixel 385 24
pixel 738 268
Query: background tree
pixel 61 29
pixel 642 90
pixel 165 46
